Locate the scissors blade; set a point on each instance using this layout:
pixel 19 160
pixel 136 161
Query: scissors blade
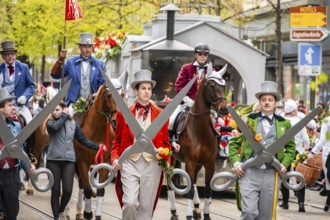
pixel 160 120
pixel 5 134
pixel 278 144
pixel 127 114
pixel 38 119
pixel 257 146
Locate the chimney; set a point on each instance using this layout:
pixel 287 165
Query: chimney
pixel 170 20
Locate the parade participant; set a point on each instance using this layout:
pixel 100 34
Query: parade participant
pixel 187 72
pixel 301 106
pixel 302 145
pixel 139 180
pixel 61 156
pixel 84 71
pixel 17 79
pixel 41 105
pixel 9 167
pixel 324 145
pixel 256 183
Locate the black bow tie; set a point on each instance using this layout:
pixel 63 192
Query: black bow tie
pixel 83 59
pixel 201 67
pixel 267 118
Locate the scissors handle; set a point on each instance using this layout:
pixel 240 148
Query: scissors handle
pixel 95 182
pixel 230 177
pixel 184 174
pixel 297 175
pixel 34 180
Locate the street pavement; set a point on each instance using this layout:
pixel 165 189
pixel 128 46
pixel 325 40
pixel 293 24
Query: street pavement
pixel 223 206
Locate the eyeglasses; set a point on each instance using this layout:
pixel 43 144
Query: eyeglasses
pixel 9 54
pixel 202 54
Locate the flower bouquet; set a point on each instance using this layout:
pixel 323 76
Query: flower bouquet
pixel 163 156
pixel 80 105
pixel 107 48
pixel 300 158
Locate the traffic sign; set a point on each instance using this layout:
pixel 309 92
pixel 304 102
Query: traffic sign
pixel 308 16
pixel 309 59
pixel 308 34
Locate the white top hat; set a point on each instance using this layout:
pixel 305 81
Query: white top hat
pixel 142 76
pixel 4 95
pixel 86 39
pixel 269 88
pixel 290 105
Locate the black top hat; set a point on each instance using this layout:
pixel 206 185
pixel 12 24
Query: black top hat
pixel 7 46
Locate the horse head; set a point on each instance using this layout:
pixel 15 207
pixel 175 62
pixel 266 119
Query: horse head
pixel 212 87
pixel 104 103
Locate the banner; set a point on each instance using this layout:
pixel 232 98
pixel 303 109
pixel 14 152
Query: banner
pixel 72 10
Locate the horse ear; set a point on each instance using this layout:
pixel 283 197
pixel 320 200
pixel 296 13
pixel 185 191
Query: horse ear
pixel 222 71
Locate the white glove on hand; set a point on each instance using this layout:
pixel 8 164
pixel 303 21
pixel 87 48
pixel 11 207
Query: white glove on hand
pixel 21 100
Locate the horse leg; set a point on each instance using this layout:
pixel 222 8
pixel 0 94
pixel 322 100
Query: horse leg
pixel 196 200
pixel 171 198
pixel 190 167
pixel 99 203
pixel 209 171
pixel 88 214
pixel 79 214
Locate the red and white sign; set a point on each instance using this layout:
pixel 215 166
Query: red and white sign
pixel 308 34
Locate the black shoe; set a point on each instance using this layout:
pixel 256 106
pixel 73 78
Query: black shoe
pixel 323 192
pixel 301 207
pixel 326 207
pixel 284 205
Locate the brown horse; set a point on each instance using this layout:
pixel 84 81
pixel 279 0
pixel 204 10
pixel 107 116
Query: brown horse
pixel 198 141
pixel 96 127
pixel 98 121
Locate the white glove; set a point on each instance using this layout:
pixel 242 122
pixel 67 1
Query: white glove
pixel 21 100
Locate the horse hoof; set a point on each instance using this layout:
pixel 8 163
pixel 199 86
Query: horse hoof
pixel 189 217
pixel 88 215
pixel 98 217
pixel 174 217
pixel 197 215
pixel 29 192
pixel 207 217
pixel 79 217
pixel 22 186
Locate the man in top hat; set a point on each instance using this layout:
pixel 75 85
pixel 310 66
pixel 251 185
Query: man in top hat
pixel 9 167
pixel 139 178
pixel 83 70
pixel 256 184
pixel 17 79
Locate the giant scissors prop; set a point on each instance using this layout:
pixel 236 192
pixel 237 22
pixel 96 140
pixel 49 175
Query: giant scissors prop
pixel 12 144
pixel 143 141
pixel 264 155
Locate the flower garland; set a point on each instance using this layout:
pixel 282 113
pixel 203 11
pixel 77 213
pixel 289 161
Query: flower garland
pixel 163 156
pixel 108 48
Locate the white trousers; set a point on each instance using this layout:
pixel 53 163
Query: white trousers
pixel 25 112
pixel 140 181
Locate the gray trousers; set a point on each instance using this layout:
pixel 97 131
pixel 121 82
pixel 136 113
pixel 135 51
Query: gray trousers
pixel 257 191
pixel 140 185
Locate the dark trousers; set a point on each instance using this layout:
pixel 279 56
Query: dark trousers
pixel 9 192
pixel 327 164
pixel 286 194
pixel 63 171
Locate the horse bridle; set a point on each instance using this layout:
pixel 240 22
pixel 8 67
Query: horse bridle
pixel 107 112
pixel 214 102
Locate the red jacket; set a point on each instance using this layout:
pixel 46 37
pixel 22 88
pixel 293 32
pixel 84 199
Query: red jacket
pixel 186 73
pixel 125 138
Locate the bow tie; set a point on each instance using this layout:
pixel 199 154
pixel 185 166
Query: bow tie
pixel 267 118
pixel 201 67
pixel 83 59
pixel 143 110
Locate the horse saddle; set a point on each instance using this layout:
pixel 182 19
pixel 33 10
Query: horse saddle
pixel 79 118
pixel 180 122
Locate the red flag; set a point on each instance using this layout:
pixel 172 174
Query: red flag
pixel 72 10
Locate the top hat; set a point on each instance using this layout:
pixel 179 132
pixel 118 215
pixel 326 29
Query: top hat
pixel 269 88
pixel 86 39
pixel 4 95
pixel 290 105
pixel 143 76
pixel 7 46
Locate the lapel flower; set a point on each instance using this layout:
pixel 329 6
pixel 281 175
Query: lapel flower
pixel 258 137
